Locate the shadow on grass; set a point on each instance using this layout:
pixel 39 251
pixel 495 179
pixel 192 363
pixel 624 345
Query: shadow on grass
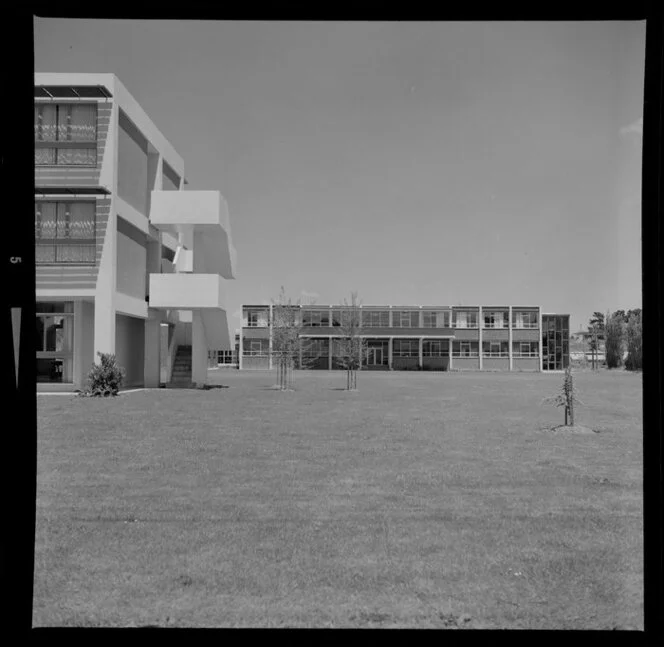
pixel 207 387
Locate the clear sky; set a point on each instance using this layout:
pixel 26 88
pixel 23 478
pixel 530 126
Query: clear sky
pixel 417 163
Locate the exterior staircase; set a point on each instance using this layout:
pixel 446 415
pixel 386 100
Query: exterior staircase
pixel 181 374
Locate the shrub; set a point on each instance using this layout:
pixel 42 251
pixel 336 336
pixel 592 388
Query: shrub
pixel 105 378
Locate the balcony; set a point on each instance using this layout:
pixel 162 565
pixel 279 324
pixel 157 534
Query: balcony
pixel 202 218
pixel 186 291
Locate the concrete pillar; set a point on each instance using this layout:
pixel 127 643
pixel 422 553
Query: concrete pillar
pixel 449 349
pixel 152 359
pixel 240 349
pixel 199 350
pixel 390 349
pixel 104 323
pixel 509 336
pixel 541 352
pixel 480 323
pixel 421 343
pixel 329 353
pixel 84 357
pixel 269 324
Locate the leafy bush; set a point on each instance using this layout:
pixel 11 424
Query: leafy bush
pixel 105 378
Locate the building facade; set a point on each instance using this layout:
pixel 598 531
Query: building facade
pixel 128 261
pixel 434 338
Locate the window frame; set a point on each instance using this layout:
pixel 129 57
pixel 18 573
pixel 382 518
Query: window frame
pixel 435 314
pixel 398 318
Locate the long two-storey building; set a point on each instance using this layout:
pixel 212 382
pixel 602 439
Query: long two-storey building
pixel 128 261
pixel 436 338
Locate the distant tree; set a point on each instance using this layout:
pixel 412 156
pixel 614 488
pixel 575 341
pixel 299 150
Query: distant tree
pixel 633 333
pixel 351 346
pixel 567 397
pixel 614 335
pixel 620 314
pixel 596 330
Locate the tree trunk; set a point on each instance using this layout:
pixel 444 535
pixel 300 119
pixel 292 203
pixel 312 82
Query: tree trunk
pixel 571 412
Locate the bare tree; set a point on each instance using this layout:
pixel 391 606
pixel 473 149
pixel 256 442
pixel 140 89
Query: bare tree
pixel 351 348
pixel 286 324
pixel 566 398
pixel 287 342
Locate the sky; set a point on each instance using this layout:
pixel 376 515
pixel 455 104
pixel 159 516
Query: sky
pixel 424 163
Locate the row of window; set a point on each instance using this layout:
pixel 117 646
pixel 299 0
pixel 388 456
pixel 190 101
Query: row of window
pixel 407 318
pixel 65 232
pixel 59 127
pixel 409 348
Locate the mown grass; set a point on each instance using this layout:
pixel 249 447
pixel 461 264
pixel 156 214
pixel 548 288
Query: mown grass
pixel 423 500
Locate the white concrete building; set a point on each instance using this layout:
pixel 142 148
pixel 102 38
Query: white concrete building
pixel 128 261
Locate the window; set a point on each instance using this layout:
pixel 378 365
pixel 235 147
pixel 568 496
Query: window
pixel 316 318
pixel 255 347
pixel 464 318
pixel 406 348
pixel 436 319
pixel 465 349
pixel 405 318
pixel 65 232
pixel 257 318
pixel 525 319
pixel 315 348
pixel 525 349
pixel 495 319
pixel 495 349
pixel 65 134
pixel 435 348
pixel 376 318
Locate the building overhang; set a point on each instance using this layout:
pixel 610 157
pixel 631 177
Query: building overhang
pixel 97 91
pixel 71 190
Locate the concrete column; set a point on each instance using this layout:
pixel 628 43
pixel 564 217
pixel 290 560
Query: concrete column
pixel 449 350
pixel 541 352
pixel 240 349
pixel 390 345
pixel 421 343
pixel 509 336
pixel 199 350
pixel 104 323
pixel 152 345
pixel 329 353
pixel 480 323
pixel 269 324
pixel 84 356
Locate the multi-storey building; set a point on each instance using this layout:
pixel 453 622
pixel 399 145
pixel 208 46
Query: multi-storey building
pixel 438 338
pixel 128 261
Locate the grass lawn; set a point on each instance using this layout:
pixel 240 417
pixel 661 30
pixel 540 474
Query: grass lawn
pixel 423 500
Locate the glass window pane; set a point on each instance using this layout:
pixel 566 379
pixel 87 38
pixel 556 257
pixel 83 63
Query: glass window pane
pixel 82 220
pixel 45 215
pixel 77 156
pixel 44 156
pixel 83 122
pixel 45 122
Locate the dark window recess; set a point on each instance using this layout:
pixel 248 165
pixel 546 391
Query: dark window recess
pixel 167 253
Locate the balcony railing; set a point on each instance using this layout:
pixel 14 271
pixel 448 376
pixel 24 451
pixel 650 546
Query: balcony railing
pixel 65 253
